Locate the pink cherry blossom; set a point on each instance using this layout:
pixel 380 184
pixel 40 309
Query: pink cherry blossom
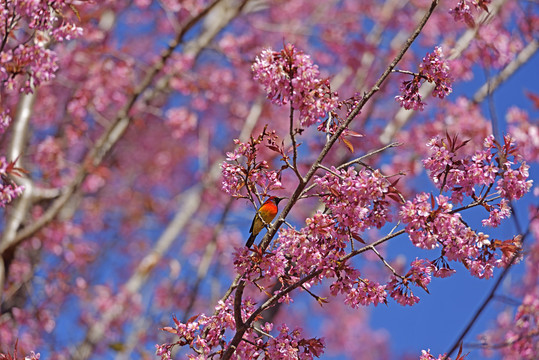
pixel 358 200
pixel 433 69
pixel 289 76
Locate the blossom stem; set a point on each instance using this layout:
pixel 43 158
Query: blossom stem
pixel 374 152
pixel 330 171
pixel 385 262
pixel 294 146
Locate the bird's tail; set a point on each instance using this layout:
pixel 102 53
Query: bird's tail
pixel 251 240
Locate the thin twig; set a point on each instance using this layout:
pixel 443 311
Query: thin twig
pixel 262 332
pixel 406 72
pixel 294 146
pixel 505 343
pixel 474 204
pixel 330 171
pixel 374 152
pixel 385 262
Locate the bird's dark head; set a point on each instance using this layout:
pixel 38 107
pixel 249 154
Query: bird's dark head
pixel 275 199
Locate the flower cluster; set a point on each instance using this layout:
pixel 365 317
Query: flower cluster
pixel 401 292
pixel 420 274
pixel 429 228
pixel 252 267
pixel 436 70
pixel 290 345
pixel 19 56
pixel 426 230
pixel 38 62
pixel 233 178
pixel 410 97
pixel 358 291
pixel 242 169
pixel 462 12
pixel 318 244
pixel 66 31
pixel 202 333
pixel 207 334
pixel 9 190
pixel 433 69
pixel 441 268
pixel 290 76
pixel 357 200
pixel 461 174
pixel 181 121
pixel 497 213
pixel 513 183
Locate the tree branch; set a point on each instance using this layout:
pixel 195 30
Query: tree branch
pixel 19 211
pixel 491 85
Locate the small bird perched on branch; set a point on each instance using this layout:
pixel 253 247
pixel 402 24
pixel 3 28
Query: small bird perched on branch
pixel 263 216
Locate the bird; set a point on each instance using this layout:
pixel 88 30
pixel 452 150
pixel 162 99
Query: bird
pixel 263 216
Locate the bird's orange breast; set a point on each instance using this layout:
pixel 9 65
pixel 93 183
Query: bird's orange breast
pixel 268 211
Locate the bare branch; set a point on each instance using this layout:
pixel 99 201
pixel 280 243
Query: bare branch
pixel 507 343
pixel 385 262
pixel 294 146
pixel 374 152
pixel 490 86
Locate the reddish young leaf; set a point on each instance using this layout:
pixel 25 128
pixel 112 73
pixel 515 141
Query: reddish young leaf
pixel 348 144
